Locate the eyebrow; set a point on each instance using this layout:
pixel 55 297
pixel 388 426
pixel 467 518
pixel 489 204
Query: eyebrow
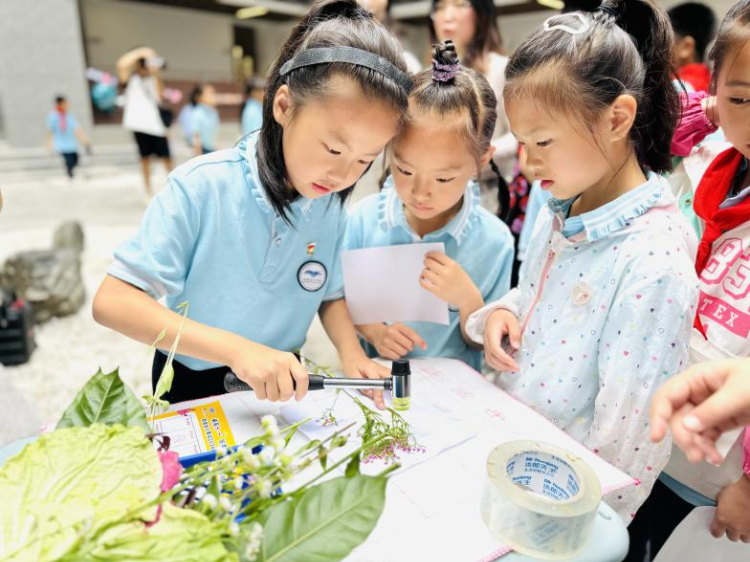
pixel 737 83
pixel 446 169
pixel 338 138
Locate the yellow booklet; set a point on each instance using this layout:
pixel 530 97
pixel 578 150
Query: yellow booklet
pixel 196 430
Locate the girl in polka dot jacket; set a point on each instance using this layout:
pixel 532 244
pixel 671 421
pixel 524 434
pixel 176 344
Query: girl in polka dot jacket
pixel 603 312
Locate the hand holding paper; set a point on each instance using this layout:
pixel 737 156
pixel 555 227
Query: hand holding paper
pixel 382 285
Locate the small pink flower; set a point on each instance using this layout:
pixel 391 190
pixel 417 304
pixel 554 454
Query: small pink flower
pixel 171 469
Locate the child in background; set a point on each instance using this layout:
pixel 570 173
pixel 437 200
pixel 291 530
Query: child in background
pixel 204 120
pixel 64 133
pixel 252 111
pixel 250 236
pixel 431 197
pixel 603 312
pixel 694 26
pixel 717 174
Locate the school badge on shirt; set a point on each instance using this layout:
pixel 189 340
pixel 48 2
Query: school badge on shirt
pixel 312 275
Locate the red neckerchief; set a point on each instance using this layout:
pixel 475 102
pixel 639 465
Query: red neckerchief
pixel 710 194
pixel 63 121
pixel 697 75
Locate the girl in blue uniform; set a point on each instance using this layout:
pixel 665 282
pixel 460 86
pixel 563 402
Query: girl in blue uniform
pixel 250 236
pixel 431 197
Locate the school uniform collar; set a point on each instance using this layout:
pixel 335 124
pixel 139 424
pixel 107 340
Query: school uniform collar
pixel 391 213
pixel 618 214
pixel 247 147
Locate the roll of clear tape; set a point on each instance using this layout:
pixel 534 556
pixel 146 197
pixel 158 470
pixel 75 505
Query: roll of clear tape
pixel 539 499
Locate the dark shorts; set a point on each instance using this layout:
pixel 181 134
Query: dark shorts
pixel 71 161
pixel 149 145
pixel 187 383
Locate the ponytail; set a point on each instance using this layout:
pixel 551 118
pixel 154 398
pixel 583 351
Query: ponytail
pixel 581 63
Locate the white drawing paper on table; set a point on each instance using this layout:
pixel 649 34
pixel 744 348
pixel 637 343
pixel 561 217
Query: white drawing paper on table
pixel 382 285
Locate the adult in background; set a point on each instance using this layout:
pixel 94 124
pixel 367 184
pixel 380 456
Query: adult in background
pixel 381 9
pixel 472 26
pixel 139 71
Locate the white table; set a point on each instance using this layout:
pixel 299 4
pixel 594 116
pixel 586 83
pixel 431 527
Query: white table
pixel 432 508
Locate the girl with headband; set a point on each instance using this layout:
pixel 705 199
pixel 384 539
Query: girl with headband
pixel 250 236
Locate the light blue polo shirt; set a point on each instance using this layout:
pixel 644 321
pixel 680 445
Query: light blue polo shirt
pixel 204 120
pixel 63 140
pixel 212 238
pixel 479 241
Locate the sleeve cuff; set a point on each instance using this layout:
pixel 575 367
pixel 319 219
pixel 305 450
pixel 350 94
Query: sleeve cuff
pixel 124 272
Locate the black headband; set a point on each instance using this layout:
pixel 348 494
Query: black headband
pixel 351 55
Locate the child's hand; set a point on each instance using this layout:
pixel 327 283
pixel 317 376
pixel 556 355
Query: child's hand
pixel 448 281
pixel 271 374
pixel 700 403
pixel 362 367
pixel 499 324
pixel 733 512
pixel 396 340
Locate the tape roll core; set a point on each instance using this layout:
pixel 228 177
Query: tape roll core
pixel 539 499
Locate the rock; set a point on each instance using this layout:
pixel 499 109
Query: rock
pixel 49 280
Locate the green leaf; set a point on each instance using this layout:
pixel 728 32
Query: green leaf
pixel 323 457
pixel 325 523
pixel 164 384
pixel 72 483
pixel 181 535
pixel 106 400
pixel 352 469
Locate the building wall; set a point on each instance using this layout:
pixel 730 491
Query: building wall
pixel 42 56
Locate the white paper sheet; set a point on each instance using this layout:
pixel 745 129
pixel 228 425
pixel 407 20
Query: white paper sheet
pixel 382 285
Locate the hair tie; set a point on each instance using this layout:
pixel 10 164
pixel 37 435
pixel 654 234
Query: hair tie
pixel 614 11
pixel 444 72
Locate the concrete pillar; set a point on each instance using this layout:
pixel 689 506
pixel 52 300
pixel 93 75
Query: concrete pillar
pixel 41 55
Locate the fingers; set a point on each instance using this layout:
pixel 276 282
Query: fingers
pixel 717 529
pixel 285 383
pixel 514 333
pixel 496 357
pixel 716 410
pixel 671 396
pixel 259 387
pixel 436 259
pixel 412 335
pixel 301 380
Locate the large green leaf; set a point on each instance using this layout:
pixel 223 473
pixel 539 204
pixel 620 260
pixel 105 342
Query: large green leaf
pixel 325 523
pixel 106 400
pixel 181 535
pixel 70 483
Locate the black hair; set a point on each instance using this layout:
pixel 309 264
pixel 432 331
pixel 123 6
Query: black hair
pixel 580 6
pixel 195 94
pixel 734 33
pixel 141 62
pixel 465 92
pixel 329 23
pixel 59 99
pixel 695 20
pixel 621 48
pixel 487 37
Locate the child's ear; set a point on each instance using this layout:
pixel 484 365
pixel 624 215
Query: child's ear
pixel 487 156
pixel 282 105
pixel 621 117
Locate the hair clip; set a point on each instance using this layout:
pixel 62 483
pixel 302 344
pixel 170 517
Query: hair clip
pixel 566 28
